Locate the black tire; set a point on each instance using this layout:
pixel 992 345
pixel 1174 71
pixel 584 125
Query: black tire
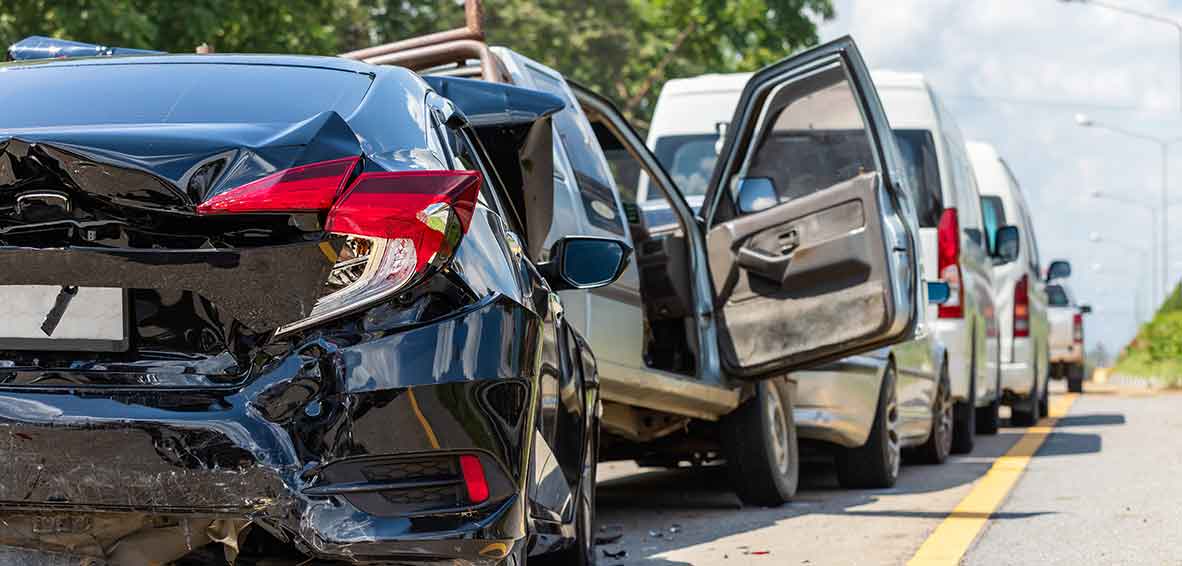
pixel 759 443
pixel 1025 412
pixel 939 443
pixel 1075 378
pixel 988 417
pixel 875 464
pixel 964 415
pixel 1044 403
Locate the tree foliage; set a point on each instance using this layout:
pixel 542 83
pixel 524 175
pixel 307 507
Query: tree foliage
pixel 624 49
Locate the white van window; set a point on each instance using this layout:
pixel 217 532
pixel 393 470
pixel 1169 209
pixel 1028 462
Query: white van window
pixel 994 215
pixel 689 159
pixel 923 170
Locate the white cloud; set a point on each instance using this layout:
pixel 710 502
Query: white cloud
pixel 1015 72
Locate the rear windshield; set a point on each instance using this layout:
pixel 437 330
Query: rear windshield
pixel 1056 296
pixel 184 93
pixel 689 159
pixel 919 153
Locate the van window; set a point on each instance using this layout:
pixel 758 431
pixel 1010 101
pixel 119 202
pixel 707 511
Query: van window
pixel 689 159
pixel 1056 296
pixel 923 170
pixel 994 215
pixel 591 172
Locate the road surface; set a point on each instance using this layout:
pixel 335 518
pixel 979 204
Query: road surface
pixel 1101 487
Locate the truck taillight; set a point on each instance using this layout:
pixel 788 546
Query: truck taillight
pixel 948 252
pixel 1021 308
pixel 395 225
pixel 1077 328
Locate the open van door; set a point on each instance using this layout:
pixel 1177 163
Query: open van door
pixel 810 232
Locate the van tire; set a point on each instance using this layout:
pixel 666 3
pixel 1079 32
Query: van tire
pixel 964 415
pixel 876 463
pixel 1075 378
pixel 1025 412
pixel 760 446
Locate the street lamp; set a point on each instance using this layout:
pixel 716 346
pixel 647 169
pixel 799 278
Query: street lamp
pixel 1153 221
pixel 1164 144
pixel 1177 25
pixel 1096 237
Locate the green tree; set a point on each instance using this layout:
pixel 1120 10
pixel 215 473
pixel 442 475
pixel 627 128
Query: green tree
pixel 625 49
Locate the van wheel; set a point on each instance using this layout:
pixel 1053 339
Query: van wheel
pixel 1075 378
pixel 1025 412
pixel 964 415
pixel 939 443
pixel 1044 403
pixel 989 416
pixel 875 464
pixel 759 443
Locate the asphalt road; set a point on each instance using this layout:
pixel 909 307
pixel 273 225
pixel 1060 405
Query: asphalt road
pixel 1101 489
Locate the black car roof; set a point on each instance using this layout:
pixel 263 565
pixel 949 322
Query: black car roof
pixel 318 61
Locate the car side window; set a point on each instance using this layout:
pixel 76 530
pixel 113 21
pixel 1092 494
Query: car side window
pixel 811 138
pixel 994 216
pixel 467 154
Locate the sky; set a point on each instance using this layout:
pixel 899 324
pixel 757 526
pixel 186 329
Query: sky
pixel 1016 73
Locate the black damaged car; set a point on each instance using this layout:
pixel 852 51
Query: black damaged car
pixel 278 310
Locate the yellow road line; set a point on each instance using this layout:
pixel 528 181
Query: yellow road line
pixel 947 545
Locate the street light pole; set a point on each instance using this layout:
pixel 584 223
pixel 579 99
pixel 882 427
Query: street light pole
pixel 1177 25
pixel 1165 144
pixel 1152 255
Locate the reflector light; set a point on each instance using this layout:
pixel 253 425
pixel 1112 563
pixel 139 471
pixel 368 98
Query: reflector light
pixel 474 479
pixel 1021 308
pixel 395 223
pixel 948 252
pixel 307 188
pixel 1077 328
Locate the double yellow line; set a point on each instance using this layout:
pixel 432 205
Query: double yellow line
pixel 947 545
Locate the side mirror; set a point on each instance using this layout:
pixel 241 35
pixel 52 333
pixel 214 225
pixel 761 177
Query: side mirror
pixel 757 194
pixel 1059 269
pixel 1006 242
pixel 1085 309
pixel 938 292
pixel 584 262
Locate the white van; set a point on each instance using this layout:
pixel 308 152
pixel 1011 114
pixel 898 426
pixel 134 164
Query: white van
pixel 1019 292
pixel 685 133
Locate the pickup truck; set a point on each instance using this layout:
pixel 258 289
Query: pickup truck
pixel 696 339
pixel 1066 338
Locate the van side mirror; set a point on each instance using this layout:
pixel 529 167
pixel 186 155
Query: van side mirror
pixel 938 292
pixel 1006 244
pixel 1085 309
pixel 1059 269
pixel 584 262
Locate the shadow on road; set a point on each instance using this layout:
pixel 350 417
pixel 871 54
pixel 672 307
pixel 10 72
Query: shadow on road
pixel 698 504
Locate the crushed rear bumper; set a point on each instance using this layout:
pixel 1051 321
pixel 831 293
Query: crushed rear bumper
pixel 346 448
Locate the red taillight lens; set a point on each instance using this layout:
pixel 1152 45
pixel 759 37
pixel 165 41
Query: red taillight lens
pixel 948 252
pixel 307 188
pixel 1021 308
pixel 1077 328
pixel 474 478
pixel 394 223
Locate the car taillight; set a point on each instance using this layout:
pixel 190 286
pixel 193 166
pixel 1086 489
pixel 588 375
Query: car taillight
pixel 394 224
pixel 948 252
pixel 1021 308
pixel 1077 328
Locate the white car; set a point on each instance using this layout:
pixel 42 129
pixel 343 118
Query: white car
pixel 1066 334
pixel 1019 292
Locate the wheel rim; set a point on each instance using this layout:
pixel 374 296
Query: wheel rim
pixel 779 424
pixel 894 451
pixel 944 418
